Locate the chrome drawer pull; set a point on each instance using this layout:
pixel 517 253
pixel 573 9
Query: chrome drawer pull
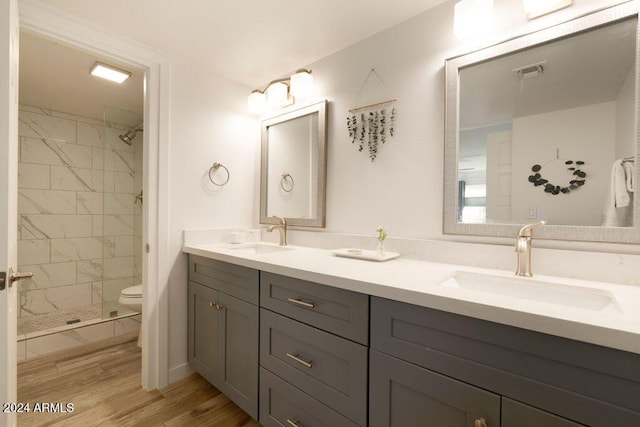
pixel 300 361
pixel 301 303
pixel 292 423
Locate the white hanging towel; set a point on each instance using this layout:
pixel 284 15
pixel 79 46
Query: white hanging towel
pixel 618 195
pixel 629 172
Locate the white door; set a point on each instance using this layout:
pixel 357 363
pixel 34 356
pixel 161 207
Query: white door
pixel 499 177
pixel 9 22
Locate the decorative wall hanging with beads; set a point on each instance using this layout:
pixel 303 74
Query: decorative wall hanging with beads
pixel 371 124
pixel 575 170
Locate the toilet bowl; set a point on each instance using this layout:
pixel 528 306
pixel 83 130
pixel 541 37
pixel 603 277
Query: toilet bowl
pixel 131 298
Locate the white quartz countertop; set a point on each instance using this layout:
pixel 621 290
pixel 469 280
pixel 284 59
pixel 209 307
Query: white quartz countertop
pixel 421 283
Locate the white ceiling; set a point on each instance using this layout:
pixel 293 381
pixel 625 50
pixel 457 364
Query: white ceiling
pixel 250 41
pixel 57 77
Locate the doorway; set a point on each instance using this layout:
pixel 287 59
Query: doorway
pixel 79 216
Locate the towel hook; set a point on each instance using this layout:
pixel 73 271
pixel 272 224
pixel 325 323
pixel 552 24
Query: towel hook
pixel 283 182
pixel 213 169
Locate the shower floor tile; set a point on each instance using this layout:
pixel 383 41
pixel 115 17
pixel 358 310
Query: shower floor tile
pixel 45 322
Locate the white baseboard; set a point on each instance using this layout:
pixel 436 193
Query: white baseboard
pixel 179 372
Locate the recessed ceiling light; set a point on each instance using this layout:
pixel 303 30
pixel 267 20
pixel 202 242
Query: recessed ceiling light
pixel 109 73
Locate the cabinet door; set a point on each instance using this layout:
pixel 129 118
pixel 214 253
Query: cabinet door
pixel 238 373
pixel 203 331
pixel 516 414
pixel 402 394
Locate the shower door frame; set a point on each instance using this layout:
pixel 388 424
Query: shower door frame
pixel 47 22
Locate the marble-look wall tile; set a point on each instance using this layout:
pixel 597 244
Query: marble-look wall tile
pixel 49 275
pixel 46 202
pixel 111 288
pixel 118 203
pixel 90 134
pixel 117 268
pixel 32 109
pixel 118 225
pixel 109 246
pixel 119 161
pixel 76 249
pixel 137 269
pixel 124 246
pixel 96 293
pixel 98 225
pixel 126 325
pixel 45 152
pixel 74 179
pixel 34 251
pixel 46 127
pixel 124 182
pixel 41 301
pixel 55 226
pixel 89 270
pixel 33 176
pixel 88 202
pixel 68 339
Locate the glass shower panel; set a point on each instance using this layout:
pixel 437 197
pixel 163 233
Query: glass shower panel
pixel 122 205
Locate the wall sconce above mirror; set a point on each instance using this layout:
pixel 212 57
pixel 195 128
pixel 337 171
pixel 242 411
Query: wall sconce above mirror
pixel 281 92
pixel 293 167
pixel 540 126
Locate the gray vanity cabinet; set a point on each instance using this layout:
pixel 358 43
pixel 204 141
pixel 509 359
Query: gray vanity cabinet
pixel 314 368
pixel 539 379
pixel 223 329
pixel 403 394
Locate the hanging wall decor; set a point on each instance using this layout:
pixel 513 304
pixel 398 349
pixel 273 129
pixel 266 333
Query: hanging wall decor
pixel 371 124
pixel 575 172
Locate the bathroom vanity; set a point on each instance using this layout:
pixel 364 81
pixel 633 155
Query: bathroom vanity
pixel 331 344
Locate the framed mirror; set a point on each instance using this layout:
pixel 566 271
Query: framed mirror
pixel 545 127
pixel 293 167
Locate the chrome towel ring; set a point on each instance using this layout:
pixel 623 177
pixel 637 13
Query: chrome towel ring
pixel 212 171
pixel 287 184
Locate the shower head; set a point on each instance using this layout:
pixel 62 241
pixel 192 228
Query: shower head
pixel 127 138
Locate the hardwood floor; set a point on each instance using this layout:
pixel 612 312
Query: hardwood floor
pixel 102 381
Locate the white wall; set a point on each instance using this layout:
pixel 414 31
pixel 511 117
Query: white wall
pixel 583 133
pixel 209 124
pixel 402 189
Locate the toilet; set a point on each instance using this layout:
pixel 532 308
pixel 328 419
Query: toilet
pixel 131 298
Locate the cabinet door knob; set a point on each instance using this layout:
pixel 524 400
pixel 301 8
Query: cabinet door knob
pixel 480 422
pixel 301 303
pixel 292 423
pixel 212 304
pixel 219 306
pixel 296 357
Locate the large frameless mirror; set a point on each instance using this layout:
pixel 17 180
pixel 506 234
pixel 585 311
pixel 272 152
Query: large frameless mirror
pixel 293 172
pixel 544 127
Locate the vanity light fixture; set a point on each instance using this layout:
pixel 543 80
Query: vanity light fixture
pixel 536 8
pixel 472 18
pixel 281 92
pixel 109 72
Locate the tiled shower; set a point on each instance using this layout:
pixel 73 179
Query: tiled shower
pixel 79 228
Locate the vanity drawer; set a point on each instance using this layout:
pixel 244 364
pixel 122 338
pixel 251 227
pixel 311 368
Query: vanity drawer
pixel 586 383
pixel 338 311
pixel 281 404
pixel 328 368
pixel 235 280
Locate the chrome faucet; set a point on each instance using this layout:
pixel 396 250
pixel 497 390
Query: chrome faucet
pixel 282 228
pixel 523 248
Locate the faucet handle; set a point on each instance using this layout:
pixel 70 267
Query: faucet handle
pixel 282 220
pixel 527 230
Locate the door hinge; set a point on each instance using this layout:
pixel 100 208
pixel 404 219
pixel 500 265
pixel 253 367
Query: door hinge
pixel 3 280
pixel 147 248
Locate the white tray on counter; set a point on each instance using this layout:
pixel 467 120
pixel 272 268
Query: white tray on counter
pixel 365 254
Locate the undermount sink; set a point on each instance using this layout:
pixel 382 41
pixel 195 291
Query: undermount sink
pixel 259 248
pixel 593 299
